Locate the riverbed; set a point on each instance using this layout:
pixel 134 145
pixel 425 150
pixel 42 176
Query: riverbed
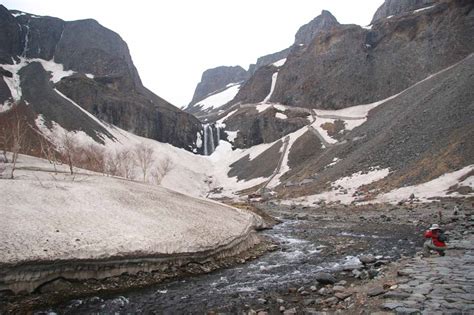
pixel 309 240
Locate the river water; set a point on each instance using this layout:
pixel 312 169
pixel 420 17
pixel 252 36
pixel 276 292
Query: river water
pixel 236 289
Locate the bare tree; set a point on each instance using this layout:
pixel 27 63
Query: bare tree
pixel 47 150
pixel 120 163
pixel 159 171
pixel 19 127
pixel 5 141
pixel 143 158
pixel 68 149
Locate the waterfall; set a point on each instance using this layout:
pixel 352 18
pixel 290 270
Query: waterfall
pixel 209 141
pixel 25 48
pixel 211 134
pixel 205 139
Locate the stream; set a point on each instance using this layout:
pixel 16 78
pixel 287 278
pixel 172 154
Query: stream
pixel 236 289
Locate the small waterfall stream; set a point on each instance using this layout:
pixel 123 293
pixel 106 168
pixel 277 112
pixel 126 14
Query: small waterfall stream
pixel 27 35
pixel 209 140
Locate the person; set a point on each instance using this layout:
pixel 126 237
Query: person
pixel 435 241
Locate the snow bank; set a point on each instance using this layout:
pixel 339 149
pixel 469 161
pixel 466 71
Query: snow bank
pixel 423 9
pixel 281 116
pixel 94 217
pixel 343 189
pixel 262 107
pixel 279 63
pixel 436 188
pixel 292 137
pixel 219 99
pixel 272 88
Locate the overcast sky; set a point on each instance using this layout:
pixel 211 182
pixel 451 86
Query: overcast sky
pixel 173 42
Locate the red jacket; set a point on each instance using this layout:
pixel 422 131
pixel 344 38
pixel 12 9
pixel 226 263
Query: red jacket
pixel 433 234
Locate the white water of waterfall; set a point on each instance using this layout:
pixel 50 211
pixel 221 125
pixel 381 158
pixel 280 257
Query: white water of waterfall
pixel 211 134
pixel 27 35
pixel 205 139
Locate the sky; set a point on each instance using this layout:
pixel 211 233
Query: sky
pixel 173 42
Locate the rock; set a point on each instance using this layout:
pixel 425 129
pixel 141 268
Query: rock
pixel 325 291
pixel 282 308
pixel 396 295
pixel 367 259
pixel 262 301
pixel 392 305
pixel 313 288
pixel 308 302
pixel 338 288
pixel 342 295
pixel 58 285
pixel 376 291
pixel 292 290
pixel 280 301
pixel 216 79
pixel 407 311
pixel 394 7
pixel 304 293
pixel 325 278
pixel 262 313
pixel 331 300
pixel 291 311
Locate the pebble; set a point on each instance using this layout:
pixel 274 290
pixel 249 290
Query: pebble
pixel 325 278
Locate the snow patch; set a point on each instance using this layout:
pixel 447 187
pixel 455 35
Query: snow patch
pixel 280 62
pixel 219 99
pixel 343 189
pixel 90 75
pixel 281 116
pixel 324 133
pixel 231 135
pixel 279 107
pixel 274 80
pixel 437 187
pixel 425 8
pixel 262 107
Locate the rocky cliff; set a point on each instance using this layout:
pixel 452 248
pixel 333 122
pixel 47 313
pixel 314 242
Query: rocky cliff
pixel 394 7
pixel 216 79
pixel 89 65
pixel 350 65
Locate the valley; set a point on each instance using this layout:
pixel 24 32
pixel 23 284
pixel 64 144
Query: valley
pixel 300 185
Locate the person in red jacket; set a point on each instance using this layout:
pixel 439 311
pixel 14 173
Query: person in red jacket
pixel 435 241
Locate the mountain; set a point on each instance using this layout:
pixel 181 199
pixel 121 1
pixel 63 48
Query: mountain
pixel 54 65
pixel 384 106
pixel 255 84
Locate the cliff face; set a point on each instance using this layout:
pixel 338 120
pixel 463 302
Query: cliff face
pixel 98 75
pixel 216 79
pixel 395 7
pixel 349 65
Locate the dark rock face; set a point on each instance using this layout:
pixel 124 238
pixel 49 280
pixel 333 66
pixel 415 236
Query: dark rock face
pixel 419 135
pixel 394 7
pixel 10 41
pixel 43 100
pixel 256 128
pixel 268 59
pixel 321 23
pixel 257 87
pixel 217 79
pixel 116 94
pixel 349 65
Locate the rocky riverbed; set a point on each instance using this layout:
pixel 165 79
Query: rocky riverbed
pixel 342 258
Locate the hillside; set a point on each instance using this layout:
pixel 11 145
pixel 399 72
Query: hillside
pixel 47 64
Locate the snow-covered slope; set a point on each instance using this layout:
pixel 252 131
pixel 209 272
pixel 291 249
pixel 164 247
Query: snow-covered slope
pixel 48 216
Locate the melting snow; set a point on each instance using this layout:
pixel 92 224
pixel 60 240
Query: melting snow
pixel 425 8
pixel 274 80
pixel 280 62
pixel 262 107
pixel 231 135
pixel 438 187
pixel 279 107
pixel 219 99
pixel 345 194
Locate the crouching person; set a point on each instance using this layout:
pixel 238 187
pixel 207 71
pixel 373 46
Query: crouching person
pixel 435 241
